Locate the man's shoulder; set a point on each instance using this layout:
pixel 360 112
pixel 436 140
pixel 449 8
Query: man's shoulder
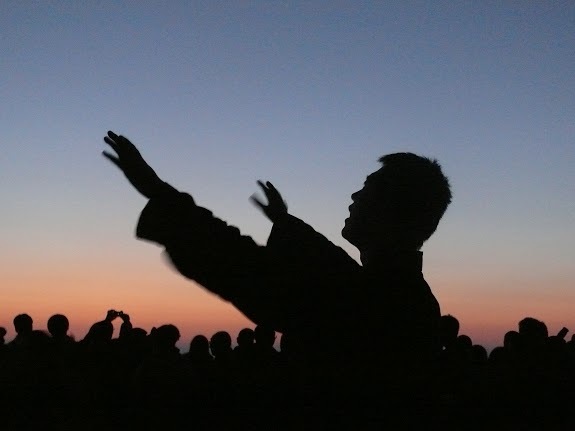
pixel 293 237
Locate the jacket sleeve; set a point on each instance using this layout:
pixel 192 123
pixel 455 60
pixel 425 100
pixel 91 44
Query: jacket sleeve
pixel 301 245
pixel 277 285
pixel 323 276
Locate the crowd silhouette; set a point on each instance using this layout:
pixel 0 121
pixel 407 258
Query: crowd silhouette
pixel 141 380
pixel 363 345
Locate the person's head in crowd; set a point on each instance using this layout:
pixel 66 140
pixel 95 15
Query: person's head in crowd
pixel 138 333
pixel 479 353
pixel 464 342
pixel 220 344
pixel 533 331
pixel 58 325
pixel 166 336
pixel 449 329
pixel 264 336
pixel 23 324
pixel 512 341
pixel 245 338
pixel 199 346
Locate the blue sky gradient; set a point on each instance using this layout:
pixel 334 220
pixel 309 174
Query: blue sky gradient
pixel 307 95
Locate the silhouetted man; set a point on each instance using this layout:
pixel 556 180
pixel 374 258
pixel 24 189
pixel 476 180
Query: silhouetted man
pixel 62 345
pixel 245 349
pixel 23 325
pixel 370 324
pixel 58 326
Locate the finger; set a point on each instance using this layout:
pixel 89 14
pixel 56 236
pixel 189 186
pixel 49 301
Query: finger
pixel 111 143
pixel 262 186
pixel 273 189
pixel 127 145
pixel 257 202
pixel 124 139
pixel 111 157
pixel 111 137
pixel 273 194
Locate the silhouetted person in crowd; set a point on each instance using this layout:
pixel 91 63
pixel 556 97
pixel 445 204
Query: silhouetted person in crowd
pixel 464 344
pixel 303 285
pixel 199 353
pixel 58 326
pixel 221 346
pixel 100 333
pixel 23 325
pixel 533 332
pixel 265 338
pixel 161 383
pixel 224 368
pixel 449 330
pixel 139 333
pixel 512 341
pixel 479 353
pixel 135 345
pixel 126 326
pixel 266 367
pixel 99 356
pixel 201 365
pixel 244 352
pixel 164 339
pixel 245 339
pixel 62 347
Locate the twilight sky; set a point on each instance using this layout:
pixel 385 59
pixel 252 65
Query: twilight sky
pixel 308 95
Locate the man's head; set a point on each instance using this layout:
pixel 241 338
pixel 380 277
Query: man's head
pixel 245 337
pixel 166 336
pixel 400 205
pixel 220 344
pixel 264 336
pixel 532 329
pixel 448 329
pixel 23 324
pixel 200 344
pixel 58 325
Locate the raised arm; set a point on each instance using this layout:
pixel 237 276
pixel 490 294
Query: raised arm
pixel 200 246
pixel 276 207
pixel 129 160
pixel 280 285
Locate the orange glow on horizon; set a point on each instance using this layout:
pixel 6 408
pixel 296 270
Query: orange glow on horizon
pixel 154 294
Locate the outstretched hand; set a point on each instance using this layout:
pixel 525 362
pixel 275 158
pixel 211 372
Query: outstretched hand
pixel 129 160
pixel 276 206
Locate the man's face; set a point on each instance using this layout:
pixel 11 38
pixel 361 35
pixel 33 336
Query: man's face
pixel 366 217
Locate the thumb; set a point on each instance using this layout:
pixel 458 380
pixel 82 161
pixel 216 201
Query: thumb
pixel 114 159
pixel 257 202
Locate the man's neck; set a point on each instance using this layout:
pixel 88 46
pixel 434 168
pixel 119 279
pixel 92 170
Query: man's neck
pixel 383 256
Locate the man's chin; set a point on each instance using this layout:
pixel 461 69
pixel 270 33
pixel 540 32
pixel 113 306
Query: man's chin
pixel 346 232
pixel 345 229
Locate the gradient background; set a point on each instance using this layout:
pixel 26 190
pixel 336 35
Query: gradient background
pixel 308 95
